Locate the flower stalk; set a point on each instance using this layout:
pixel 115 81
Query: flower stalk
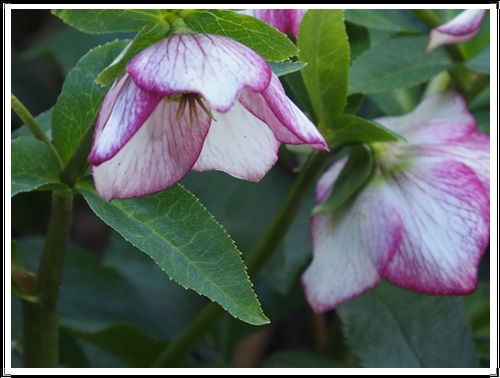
pixel 40 319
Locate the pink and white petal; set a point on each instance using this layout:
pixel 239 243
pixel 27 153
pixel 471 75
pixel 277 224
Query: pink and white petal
pixel 351 247
pixel 160 154
pixel 122 113
pixel 444 107
pixel 274 17
pixel 325 183
pixel 288 123
pixel 294 17
pixel 445 212
pixel 239 144
pixel 460 29
pixel 214 66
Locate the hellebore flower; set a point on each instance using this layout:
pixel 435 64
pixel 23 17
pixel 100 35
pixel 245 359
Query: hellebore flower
pixel 192 101
pixel 422 220
pixel 460 29
pixel 285 20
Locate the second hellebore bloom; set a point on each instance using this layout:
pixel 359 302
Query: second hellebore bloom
pixel 285 20
pixel 193 101
pixel 421 221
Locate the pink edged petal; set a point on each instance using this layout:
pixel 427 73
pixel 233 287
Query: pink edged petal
pixel 351 247
pixel 156 157
pixel 294 17
pixel 443 107
pixel 274 17
pixel 239 144
pixel 123 111
pixel 325 183
pixel 461 29
pixel 445 212
pixel 288 123
pixel 214 66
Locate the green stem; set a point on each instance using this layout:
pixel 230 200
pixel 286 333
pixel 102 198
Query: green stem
pixel 78 161
pixel 32 125
pixel 40 320
pixel 262 252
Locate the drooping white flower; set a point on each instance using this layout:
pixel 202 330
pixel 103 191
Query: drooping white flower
pixel 193 101
pixel 422 219
pixel 460 29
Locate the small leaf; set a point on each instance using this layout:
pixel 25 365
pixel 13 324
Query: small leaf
pixel 355 173
pixel 353 129
pixel 391 327
pixel 100 21
pixel 267 41
pixel 283 68
pixel 33 165
pixel 43 119
pixel 185 241
pixel 481 62
pixel 79 101
pixel 385 19
pixel 396 63
pixel 324 46
pixel 143 39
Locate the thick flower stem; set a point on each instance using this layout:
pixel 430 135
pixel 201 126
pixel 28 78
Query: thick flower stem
pixel 256 260
pixel 40 320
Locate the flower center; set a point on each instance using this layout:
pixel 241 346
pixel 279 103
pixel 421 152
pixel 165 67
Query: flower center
pixel 189 102
pixel 392 157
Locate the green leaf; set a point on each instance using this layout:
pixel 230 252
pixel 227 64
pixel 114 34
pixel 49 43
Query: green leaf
pixel 33 165
pixel 396 63
pixel 77 106
pixel 43 119
pixel 355 173
pixel 125 342
pixel 324 46
pixel 267 41
pixel 386 19
pixel 179 234
pixel 294 82
pixel 353 129
pixel 392 327
pixel 481 62
pixel 143 39
pixel 100 21
pixel 283 68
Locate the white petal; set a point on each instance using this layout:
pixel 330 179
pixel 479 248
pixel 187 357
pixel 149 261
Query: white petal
pixel 445 212
pixel 461 29
pixel 350 247
pixel 156 157
pixel 214 66
pixel 122 113
pixel 239 144
pixel 289 124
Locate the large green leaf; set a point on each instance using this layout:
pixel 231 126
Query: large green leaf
pixel 324 46
pixel 396 20
pixel 33 165
pixel 396 63
pixel 112 20
pixel 267 41
pixel 184 240
pixel 392 327
pixel 77 106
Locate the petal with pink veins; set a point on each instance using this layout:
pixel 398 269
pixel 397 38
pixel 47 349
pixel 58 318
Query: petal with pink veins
pixel 351 246
pixel 239 144
pixel 122 113
pixel 216 67
pixel 288 123
pixel 159 154
pixel 460 29
pixel 445 212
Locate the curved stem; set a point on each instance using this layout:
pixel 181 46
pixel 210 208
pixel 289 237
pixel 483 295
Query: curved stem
pixel 261 253
pixel 40 320
pixel 33 125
